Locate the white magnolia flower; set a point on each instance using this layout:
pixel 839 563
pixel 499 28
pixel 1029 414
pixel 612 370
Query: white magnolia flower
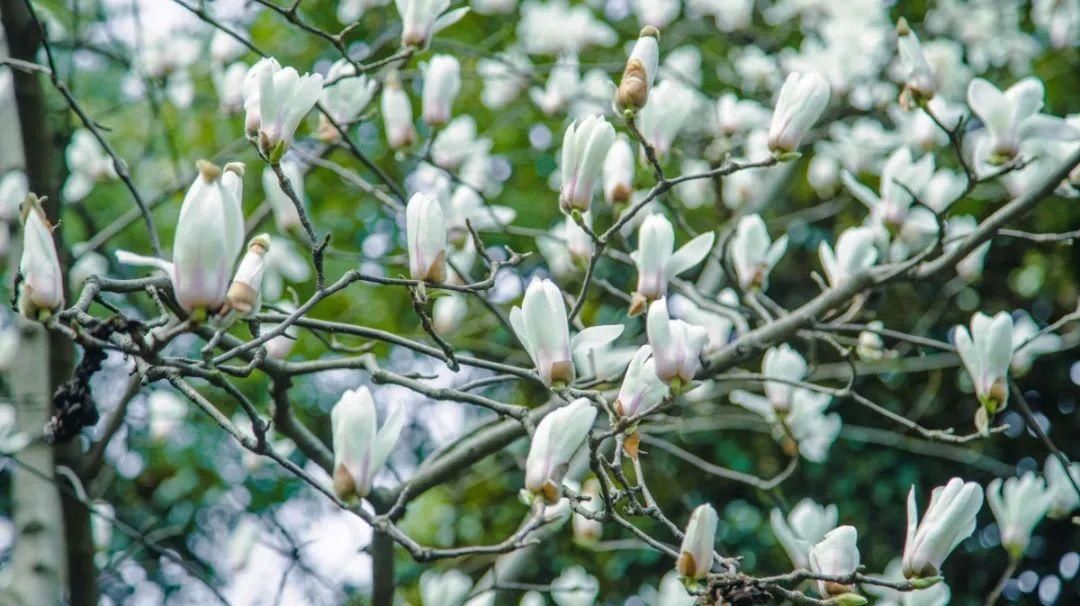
pixel 558 436
pixel 587 530
pixel 166 412
pixel 948 520
pixel 88 163
pixel 562 86
pixel 683 64
pixel 676 345
pixel 937 594
pixel 783 363
pixel 245 292
pixel 449 313
pixel 555 27
pixel 823 174
pixel 442 83
pixel 696 553
pixel 422 19
pixel 662 119
pixel 871 346
pixel 657 260
pixel 802 100
pixel 986 352
pixel 695 193
pixel 575 587
pixel 229 84
pixel 426 232
pixel 919 78
pixel 41 291
pixel 457 142
pixel 13 189
pixel 449 588
pixel 345 96
pixel 618 172
pixel 1027 346
pixel 1018 505
pixel 640 71
pixel 360 448
pixel 813 431
pixel 804 527
pixel 276 99
pixel 737 116
pixel 541 326
pixel 504 77
pixel 956 229
pixel 641 388
pixel 397 114
pixel 1064 499
pixel 1060 20
pixel 944 188
pixel 350 11
pixel 835 555
pixel 753 254
pixel 1012 117
pixel 279 347
pixel 719 320
pixel 655 13
pixel 585 146
pixel 286 216
pixel 902 178
pixel 855 254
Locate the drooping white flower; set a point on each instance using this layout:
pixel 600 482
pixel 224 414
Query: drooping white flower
pixel 1012 117
pixel 806 524
pixel 360 447
pixel 855 254
pixel 919 78
pixel 245 292
pixel 619 172
pixel 345 96
pixel 286 216
pixel 696 553
pixel 835 555
pixel 641 388
pixel 949 519
pixel 88 163
pixel 1028 344
pixel 676 345
pixel 753 254
pixel 575 587
pixel 662 119
pixel 442 83
pixel 397 114
pixel 41 291
pixel 1018 505
pixel 450 587
pixel 541 326
pixel 422 19
pixel 585 146
pixel 562 86
pixel 986 352
pixel 276 99
pixel 1063 497
pixel 657 260
pixel 426 232
pixel 802 99
pixel 640 71
pixel 558 436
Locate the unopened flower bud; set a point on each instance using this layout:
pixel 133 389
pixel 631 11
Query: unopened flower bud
pixel 696 553
pixel 41 291
pixel 640 71
pixel 245 294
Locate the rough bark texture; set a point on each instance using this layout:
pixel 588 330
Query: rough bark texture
pixel 42 163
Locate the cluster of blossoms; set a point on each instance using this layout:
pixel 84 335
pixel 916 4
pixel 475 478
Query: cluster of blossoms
pixel 616 134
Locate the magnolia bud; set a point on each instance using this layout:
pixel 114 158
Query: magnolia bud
pixel 640 71
pixel 696 553
pixel 1018 509
pixel 426 233
pixel 276 100
pixel 41 291
pixel 803 98
pixel 836 555
pixel 753 254
pixel 585 146
pixel 442 82
pixel 948 521
pixel 541 326
pixel 618 172
pixel 397 114
pixel 641 389
pixel 657 262
pixel 855 253
pixel 676 345
pixel 245 293
pixel 421 19
pixel 986 353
